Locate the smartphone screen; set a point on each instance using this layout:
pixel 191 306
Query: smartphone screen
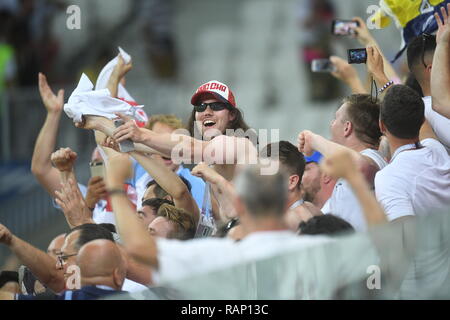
pixel 343 27
pixel 357 56
pixel 322 65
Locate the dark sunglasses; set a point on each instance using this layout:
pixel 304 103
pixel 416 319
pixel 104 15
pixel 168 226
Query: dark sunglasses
pixel 425 37
pixel 215 106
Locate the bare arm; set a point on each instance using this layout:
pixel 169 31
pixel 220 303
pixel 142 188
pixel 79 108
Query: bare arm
pixel 118 73
pixel 375 67
pixel 366 39
pixel 440 73
pixel 309 141
pixel 221 150
pixel 171 182
pixel 138 243
pixel 223 190
pixel 342 165
pixel 41 166
pixel 347 74
pixel 40 263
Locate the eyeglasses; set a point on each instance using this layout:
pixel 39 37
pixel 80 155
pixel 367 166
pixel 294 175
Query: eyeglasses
pixel 215 106
pixel 62 259
pixel 425 37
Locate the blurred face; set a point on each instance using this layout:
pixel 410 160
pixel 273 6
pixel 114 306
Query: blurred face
pixel 147 214
pixel 55 246
pixel 338 125
pixel 96 156
pixel 159 127
pixel 161 227
pixel 68 249
pixel 149 192
pixel 210 122
pixel 311 181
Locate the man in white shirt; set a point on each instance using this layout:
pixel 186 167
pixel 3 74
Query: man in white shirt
pixel 415 183
pixel 417 180
pixel 420 61
pixel 355 127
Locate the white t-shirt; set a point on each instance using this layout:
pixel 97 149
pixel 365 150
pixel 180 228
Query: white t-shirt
pixel 416 181
pixel 439 123
pixel 343 202
pixel 264 265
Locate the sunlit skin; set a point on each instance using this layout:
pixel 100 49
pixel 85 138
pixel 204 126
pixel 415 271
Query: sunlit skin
pixel 338 125
pixel 311 181
pixel 220 120
pixel 161 128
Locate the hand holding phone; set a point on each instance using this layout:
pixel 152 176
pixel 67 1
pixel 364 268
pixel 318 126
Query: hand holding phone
pixel 127 145
pixel 357 56
pixel 341 27
pixel 322 65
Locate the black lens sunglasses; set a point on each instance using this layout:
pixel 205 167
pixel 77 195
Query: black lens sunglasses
pixel 215 106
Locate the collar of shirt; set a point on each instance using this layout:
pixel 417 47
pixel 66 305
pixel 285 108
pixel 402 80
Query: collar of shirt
pixel 411 146
pixel 296 204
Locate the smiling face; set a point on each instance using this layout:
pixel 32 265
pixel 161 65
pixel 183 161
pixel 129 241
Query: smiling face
pixel 213 123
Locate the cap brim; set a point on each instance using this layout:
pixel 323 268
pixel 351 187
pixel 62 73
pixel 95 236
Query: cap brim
pixel 195 100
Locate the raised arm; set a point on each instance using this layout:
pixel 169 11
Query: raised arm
pixel 366 39
pixel 220 150
pixel 120 70
pixel 41 166
pixel 375 67
pixel 342 165
pixel 42 265
pixel 309 141
pixel 440 73
pixel 170 182
pixel 223 190
pixel 347 74
pixel 64 160
pixel 138 243
pixel 71 201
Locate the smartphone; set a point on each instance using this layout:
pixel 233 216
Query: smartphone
pixel 97 169
pixel 341 27
pixel 357 56
pixel 127 145
pixel 322 65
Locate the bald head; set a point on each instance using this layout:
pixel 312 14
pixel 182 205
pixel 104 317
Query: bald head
pixel 101 263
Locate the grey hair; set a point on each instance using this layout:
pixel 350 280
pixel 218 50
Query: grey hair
pixel 263 195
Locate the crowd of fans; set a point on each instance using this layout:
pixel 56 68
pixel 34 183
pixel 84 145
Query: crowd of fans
pixel 144 219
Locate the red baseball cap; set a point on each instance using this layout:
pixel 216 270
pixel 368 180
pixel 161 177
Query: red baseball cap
pixel 218 89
